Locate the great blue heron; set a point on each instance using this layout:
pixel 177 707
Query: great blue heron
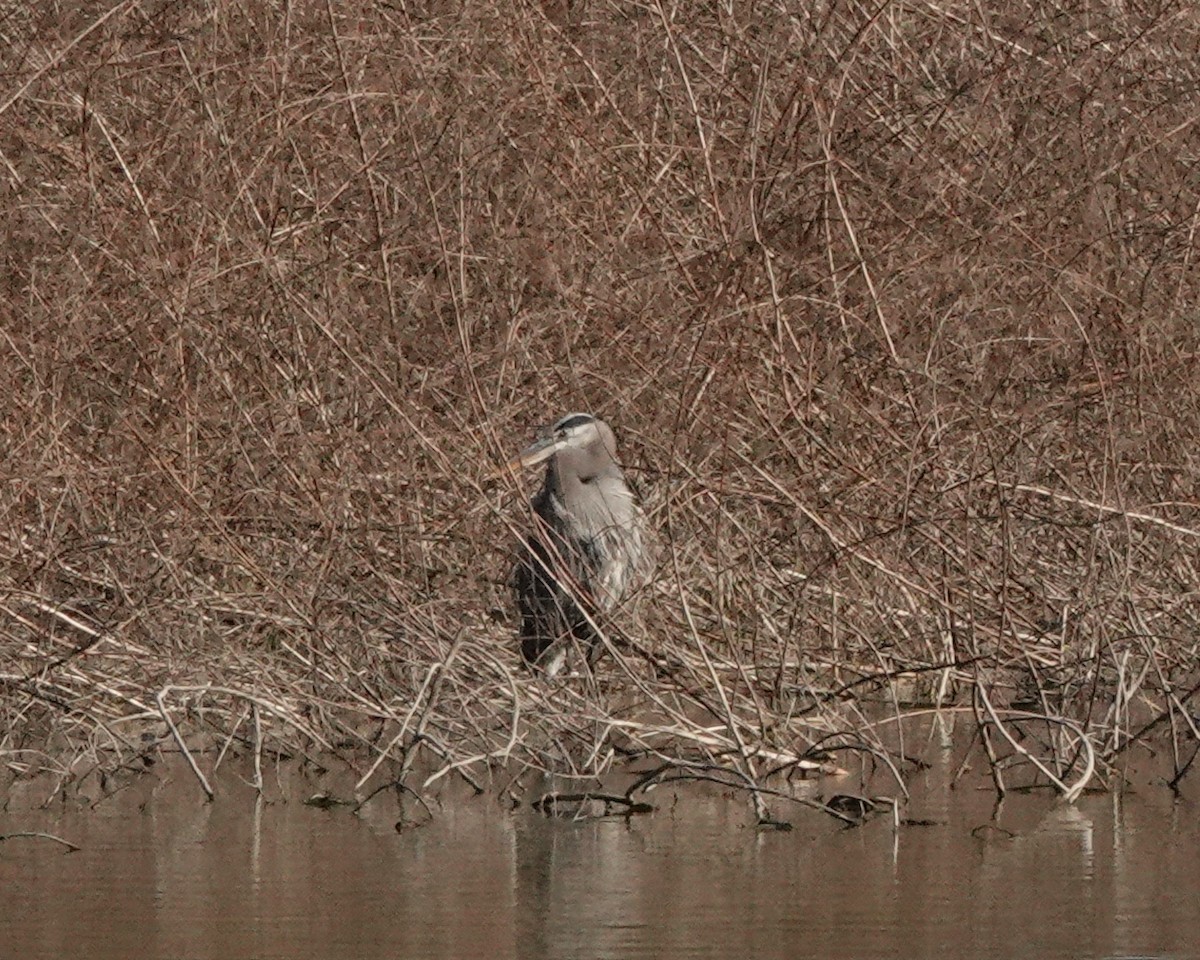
pixel 587 547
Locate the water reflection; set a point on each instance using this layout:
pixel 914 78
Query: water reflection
pixel 162 874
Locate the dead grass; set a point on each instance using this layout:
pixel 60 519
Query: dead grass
pixel 893 306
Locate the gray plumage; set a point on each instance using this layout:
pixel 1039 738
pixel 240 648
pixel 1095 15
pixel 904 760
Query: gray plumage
pixel 587 546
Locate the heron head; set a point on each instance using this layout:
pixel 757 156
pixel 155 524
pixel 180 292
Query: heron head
pixel 576 432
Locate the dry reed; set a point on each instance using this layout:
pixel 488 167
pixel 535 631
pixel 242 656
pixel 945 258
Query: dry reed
pixel 894 307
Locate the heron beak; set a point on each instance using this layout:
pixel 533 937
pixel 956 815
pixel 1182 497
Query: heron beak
pixel 537 452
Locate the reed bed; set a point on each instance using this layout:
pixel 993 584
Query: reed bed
pixel 893 307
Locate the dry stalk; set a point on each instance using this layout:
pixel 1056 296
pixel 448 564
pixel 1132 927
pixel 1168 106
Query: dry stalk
pixel 893 309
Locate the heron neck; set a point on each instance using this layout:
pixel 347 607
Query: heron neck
pixel 595 500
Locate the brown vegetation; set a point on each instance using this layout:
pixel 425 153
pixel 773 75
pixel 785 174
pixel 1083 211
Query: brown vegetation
pixel 893 307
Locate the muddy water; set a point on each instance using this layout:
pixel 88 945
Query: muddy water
pixel 162 874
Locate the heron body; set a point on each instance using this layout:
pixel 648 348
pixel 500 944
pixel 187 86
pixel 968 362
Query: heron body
pixel 586 549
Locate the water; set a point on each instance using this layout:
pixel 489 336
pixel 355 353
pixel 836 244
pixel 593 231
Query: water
pixel 161 874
